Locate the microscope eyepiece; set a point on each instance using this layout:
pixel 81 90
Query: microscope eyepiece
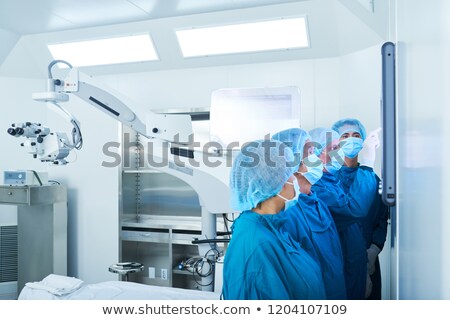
pixel 12 131
pixel 16 132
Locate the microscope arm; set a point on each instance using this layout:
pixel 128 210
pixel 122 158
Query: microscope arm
pixel 171 128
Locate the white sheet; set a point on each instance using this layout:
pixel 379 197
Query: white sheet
pixel 57 285
pixel 120 290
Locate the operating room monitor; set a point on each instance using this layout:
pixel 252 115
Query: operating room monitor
pixel 240 115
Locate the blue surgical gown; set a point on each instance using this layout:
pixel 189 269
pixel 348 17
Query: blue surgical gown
pixel 262 262
pixel 348 208
pixel 374 224
pixel 311 224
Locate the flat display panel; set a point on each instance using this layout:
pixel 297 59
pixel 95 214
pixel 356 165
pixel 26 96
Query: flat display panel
pixel 240 115
pixel 388 110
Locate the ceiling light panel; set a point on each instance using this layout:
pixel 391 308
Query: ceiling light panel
pixel 106 51
pixel 247 37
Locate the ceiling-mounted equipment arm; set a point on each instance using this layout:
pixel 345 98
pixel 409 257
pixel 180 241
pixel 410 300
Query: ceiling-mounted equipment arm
pixel 110 105
pixel 172 128
pixel 55 147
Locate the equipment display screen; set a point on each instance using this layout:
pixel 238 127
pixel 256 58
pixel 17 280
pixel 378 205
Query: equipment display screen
pixel 242 115
pixel 14 176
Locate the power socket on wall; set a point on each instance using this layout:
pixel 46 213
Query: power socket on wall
pixel 164 274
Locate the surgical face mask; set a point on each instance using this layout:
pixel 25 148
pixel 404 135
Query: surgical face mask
pixel 334 165
pixel 315 169
pixel 318 150
pixel 291 202
pixel 352 146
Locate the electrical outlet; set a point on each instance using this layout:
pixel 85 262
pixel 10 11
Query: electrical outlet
pixel 151 272
pixel 163 274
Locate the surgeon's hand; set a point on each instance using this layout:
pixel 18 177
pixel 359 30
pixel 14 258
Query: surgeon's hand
pixel 372 254
pixel 366 156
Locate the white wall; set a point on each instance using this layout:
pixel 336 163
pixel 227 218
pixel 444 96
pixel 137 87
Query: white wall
pixel 445 78
pixel 8 39
pixel 360 86
pixel 17 106
pixel 360 90
pixel 15 103
pixel 423 211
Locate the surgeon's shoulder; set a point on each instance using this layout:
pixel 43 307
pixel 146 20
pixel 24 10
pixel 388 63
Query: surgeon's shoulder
pixel 250 225
pixel 366 168
pixel 369 172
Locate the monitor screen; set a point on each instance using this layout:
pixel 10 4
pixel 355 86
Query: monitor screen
pixel 240 115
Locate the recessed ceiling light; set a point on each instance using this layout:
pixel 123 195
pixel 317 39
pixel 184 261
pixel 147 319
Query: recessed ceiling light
pixel 105 51
pixel 246 37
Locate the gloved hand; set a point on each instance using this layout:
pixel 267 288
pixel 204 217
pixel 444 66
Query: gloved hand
pixel 368 287
pixel 366 156
pixel 372 254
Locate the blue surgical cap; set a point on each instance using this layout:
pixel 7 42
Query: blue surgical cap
pixel 349 124
pixel 259 172
pixel 294 138
pixel 322 137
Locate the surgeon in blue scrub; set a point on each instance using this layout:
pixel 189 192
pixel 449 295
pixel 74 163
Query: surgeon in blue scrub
pixel 262 261
pixel 348 208
pixel 360 157
pixel 310 222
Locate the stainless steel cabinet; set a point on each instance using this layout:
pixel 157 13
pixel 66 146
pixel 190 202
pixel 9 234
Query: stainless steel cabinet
pixel 42 230
pixel 160 215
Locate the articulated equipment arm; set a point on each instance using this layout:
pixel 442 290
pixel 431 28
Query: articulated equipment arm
pixel 55 147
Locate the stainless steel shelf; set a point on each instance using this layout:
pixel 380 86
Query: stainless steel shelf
pixel 146 170
pixel 164 222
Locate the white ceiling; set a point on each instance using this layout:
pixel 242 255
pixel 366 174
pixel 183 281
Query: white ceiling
pixel 42 16
pixel 336 27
